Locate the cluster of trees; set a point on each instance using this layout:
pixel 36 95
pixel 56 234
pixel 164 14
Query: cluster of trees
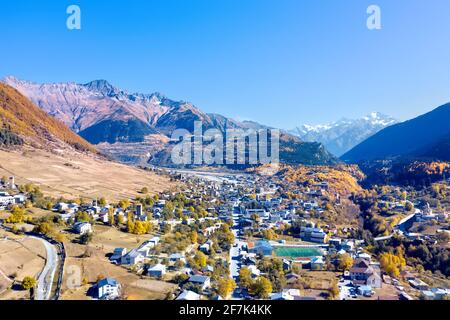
pixel 223 237
pixel 433 258
pixel 44 227
pixel 36 197
pixel 9 138
pixel 138 227
pixel 225 287
pixel 47 226
pixel 260 287
pixel 198 261
pixel 372 220
pixel 269 234
pixel 179 240
pixel 18 216
pixel 174 207
pixel 422 256
pixel 392 263
pixel 273 269
pixel 82 216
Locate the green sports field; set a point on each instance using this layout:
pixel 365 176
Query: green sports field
pixel 291 252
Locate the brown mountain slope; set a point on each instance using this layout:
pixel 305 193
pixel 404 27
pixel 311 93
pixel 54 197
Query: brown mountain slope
pixel 54 158
pixel 72 174
pixel 34 125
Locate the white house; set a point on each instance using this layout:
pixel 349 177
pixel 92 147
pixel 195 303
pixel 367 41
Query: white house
pixel 176 257
pixel 286 294
pixel 19 198
pixel 154 241
pixel 82 227
pixel 157 270
pixel 188 295
pixel 203 281
pixel 118 254
pixel 132 258
pixel 317 263
pixel 206 247
pixel 255 272
pixel 6 199
pixel 108 289
pixel 61 206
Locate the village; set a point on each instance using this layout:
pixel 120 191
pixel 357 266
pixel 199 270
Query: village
pixel 242 237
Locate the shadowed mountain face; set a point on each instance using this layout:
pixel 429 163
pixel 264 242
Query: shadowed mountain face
pixel 112 131
pixel 116 121
pixel 424 138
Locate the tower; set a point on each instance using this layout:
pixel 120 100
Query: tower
pixel 12 183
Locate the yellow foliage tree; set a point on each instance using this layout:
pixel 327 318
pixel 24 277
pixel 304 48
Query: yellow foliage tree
pixel 392 264
pixel 345 262
pixel 261 288
pixel 28 283
pixel 201 259
pixel 245 278
pixel 225 287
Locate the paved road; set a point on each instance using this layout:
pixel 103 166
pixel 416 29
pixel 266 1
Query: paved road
pixel 45 279
pixel 234 252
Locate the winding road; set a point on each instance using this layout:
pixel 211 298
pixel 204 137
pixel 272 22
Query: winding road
pixel 45 279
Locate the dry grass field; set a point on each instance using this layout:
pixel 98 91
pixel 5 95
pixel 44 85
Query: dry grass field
pixel 19 257
pixel 91 263
pixel 71 174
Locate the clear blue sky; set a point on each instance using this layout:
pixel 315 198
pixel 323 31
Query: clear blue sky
pixel 279 62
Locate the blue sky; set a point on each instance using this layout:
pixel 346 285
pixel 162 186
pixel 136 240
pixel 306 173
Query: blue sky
pixel 279 62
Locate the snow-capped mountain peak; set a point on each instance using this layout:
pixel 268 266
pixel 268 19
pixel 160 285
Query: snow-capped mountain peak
pixel 341 136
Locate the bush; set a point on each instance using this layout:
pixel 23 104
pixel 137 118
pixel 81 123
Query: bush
pixel 28 283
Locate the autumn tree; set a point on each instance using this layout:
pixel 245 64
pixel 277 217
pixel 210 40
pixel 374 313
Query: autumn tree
pixel 28 283
pixel 261 288
pixel 111 220
pixel 201 259
pixel 18 216
pixel 345 262
pixel 130 223
pixel 102 202
pixel 409 207
pixel 124 204
pixel 194 237
pixel 245 278
pixel 225 287
pixel 334 290
pixel 141 227
pixel 392 264
pixel 269 234
pixel 44 228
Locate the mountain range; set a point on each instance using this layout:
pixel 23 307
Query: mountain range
pixel 39 149
pixel 341 136
pixel 426 137
pixel 132 127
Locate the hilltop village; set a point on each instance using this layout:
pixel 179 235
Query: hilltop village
pixel 299 233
